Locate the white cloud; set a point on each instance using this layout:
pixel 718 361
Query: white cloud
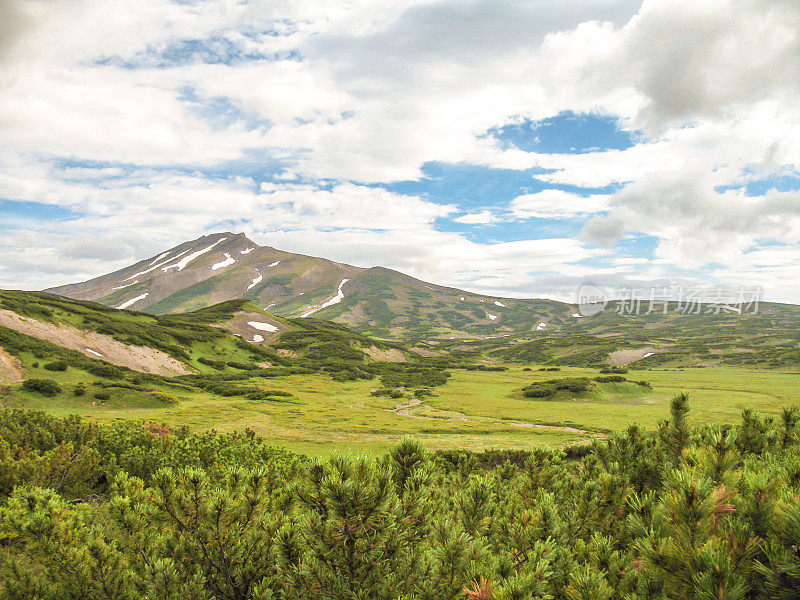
pixel 556 204
pixel 484 217
pixel 372 92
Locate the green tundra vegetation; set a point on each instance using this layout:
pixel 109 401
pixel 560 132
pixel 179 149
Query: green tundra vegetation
pixel 317 390
pixel 314 468
pixel 141 510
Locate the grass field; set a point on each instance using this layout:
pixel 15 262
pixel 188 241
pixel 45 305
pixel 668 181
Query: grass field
pixel 475 410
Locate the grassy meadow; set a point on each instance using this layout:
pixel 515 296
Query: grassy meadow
pixel 475 410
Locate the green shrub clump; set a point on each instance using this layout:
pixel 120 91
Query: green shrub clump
pixel 210 362
pixel 163 398
pixel 418 377
pixel 549 388
pixel 617 370
pixel 102 396
pixel 45 387
pixel 390 392
pixel 241 366
pixel 56 365
pixel 610 379
pixel 270 395
pixel 101 369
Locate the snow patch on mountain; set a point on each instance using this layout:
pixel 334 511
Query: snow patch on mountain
pixel 541 327
pixel 257 339
pixel 126 285
pixel 247 251
pixel 132 301
pixel 159 258
pixel 225 263
pixel 256 281
pixel 335 300
pixel 491 317
pixel 153 268
pixel 181 265
pixel 94 352
pixel 338 297
pixel 275 264
pixel 262 326
pixel 498 303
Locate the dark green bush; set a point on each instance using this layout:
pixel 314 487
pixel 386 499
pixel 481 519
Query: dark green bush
pixel 241 366
pixel 45 387
pixel 390 392
pixel 210 362
pixel 272 395
pixel 56 365
pixel 102 396
pixel 415 377
pixel 546 389
pixel 164 398
pixel 610 379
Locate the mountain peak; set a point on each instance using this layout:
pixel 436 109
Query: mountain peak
pixel 223 266
pixel 241 236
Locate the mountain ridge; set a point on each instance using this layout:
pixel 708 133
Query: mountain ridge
pixel 376 300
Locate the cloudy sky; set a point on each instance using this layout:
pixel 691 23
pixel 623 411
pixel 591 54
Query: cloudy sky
pixel 514 147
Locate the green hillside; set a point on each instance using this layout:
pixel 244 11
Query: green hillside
pixel 768 339
pixel 316 385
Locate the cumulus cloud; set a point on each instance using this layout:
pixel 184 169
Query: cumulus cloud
pixel 549 204
pixel 603 231
pixel 166 120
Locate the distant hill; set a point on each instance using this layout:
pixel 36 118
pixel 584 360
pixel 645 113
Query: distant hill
pixel 36 327
pixel 768 338
pixel 376 301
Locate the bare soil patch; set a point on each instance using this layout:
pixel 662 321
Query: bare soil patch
pixel 425 352
pixel 96 345
pixel 11 368
pixel 626 357
pixel 387 355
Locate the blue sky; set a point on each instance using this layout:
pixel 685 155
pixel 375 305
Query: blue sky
pixel 506 147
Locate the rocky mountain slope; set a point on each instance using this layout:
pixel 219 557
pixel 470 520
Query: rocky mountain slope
pixel 378 301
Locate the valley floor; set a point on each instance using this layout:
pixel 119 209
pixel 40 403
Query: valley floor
pixel 475 410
